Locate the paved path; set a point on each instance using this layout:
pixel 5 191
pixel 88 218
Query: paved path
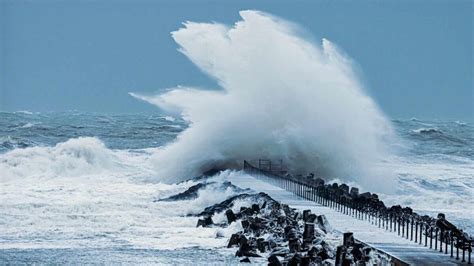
pixel 379 238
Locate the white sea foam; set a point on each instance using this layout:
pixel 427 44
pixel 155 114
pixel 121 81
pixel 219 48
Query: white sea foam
pixel 427 131
pixel 27 125
pixel 169 118
pixel 73 158
pixel 79 194
pixel 25 112
pixel 281 97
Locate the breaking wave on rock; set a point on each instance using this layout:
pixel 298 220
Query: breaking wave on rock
pixel 281 97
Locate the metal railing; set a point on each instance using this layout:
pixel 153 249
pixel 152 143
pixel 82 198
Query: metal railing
pixel 434 233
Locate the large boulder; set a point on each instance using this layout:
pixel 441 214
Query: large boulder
pixel 273 261
pixel 308 234
pixel 205 222
pixel 234 240
pixel 188 194
pixel 230 216
pixel 323 223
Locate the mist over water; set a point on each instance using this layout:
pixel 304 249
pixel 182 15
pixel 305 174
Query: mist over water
pixel 281 97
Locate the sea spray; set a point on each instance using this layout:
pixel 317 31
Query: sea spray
pixel 281 97
pixel 74 158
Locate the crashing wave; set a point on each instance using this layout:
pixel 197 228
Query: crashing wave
pixel 75 157
pixel 281 97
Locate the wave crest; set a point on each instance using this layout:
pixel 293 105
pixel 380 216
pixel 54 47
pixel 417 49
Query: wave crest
pixel 282 97
pixel 75 157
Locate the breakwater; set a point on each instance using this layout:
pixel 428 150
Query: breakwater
pixel 434 233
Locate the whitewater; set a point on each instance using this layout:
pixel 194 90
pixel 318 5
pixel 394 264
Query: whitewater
pixel 86 185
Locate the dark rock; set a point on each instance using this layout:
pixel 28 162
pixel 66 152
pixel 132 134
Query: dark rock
pixel 295 260
pixel 305 261
pixel 357 252
pixel 344 188
pixel 245 260
pixel 234 240
pixel 292 234
pixel 245 248
pixel 244 211
pixel 205 222
pixel 190 193
pixel 294 245
pixel 229 203
pixel 273 261
pixel 230 216
pixel 348 239
pixel 262 245
pixel 365 195
pixel 340 254
pixel 255 208
pixel 256 226
pixel 313 252
pixel 281 219
pixel 354 192
pixel 324 224
pixel 311 218
pixel 347 261
pixel 245 224
pixel 326 251
pixel 408 210
pixel 323 254
pixel 308 233
pixel 305 214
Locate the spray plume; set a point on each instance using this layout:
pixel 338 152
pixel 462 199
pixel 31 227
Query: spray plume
pixel 281 97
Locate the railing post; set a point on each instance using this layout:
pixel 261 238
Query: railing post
pixel 445 243
pixel 408 227
pixel 403 227
pixel 399 224
pixel 426 235
pixel 469 251
pixel 436 238
pixel 421 233
pixel 378 214
pixel 390 222
pixel 457 248
pixel 451 242
pixel 431 237
pixel 315 194
pixel 463 249
pixel 441 240
pixel 416 232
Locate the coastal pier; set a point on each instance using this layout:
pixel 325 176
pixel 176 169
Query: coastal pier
pixel 408 238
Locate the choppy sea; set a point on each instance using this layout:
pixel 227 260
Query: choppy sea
pixel 80 187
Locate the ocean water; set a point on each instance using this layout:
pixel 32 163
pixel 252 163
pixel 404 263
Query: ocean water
pixel 77 186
